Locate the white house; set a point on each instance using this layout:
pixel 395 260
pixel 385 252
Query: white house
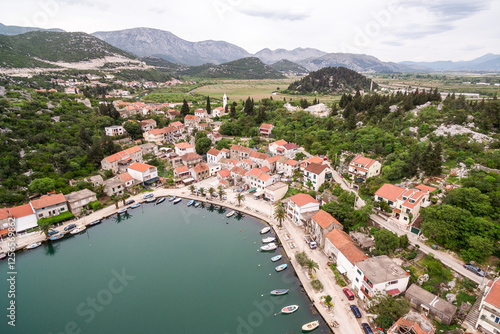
pixel 276 191
pixel 273 147
pixel 143 172
pixel 114 130
pixel 213 168
pixel 24 217
pixel 286 166
pixel 214 155
pixel 317 174
pixel 266 129
pixel 256 178
pixel 183 148
pixel 200 113
pixel 300 204
pixel 379 275
pixel 341 249
pixel 49 205
pixel 363 168
pixel 489 309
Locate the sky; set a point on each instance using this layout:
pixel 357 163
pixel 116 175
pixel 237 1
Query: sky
pixel 391 30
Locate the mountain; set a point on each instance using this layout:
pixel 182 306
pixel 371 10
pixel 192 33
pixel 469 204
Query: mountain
pixel 289 68
pixel 488 62
pixel 163 64
pixel 16 30
pixel 245 68
pixel 32 48
pixel 272 56
pixel 163 44
pixel 331 79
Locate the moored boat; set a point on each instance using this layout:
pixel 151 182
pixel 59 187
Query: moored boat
pixel 177 200
pixel 78 230
pixel 197 204
pixel 2 256
pixel 230 214
pixel 34 245
pixel 171 199
pixel 268 239
pixel 289 309
pixel 136 205
pixel 269 247
pixel 57 237
pixel 151 200
pixel 160 200
pixel 95 222
pixel 276 258
pixel 279 292
pixel 191 202
pixel 122 211
pixel 310 326
pixel 281 267
pixel 265 230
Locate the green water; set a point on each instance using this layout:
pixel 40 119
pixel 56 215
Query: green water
pixel 161 269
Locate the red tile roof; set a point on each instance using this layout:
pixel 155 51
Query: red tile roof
pixel 47 200
pixel 389 192
pixel 280 142
pixel 254 172
pixel 126 177
pixel 123 154
pixel 182 169
pixel 241 149
pixel 4 213
pixel 258 155
pixel 183 145
pixel 213 151
pixel 266 126
pixel 238 170
pixel 177 124
pixel 315 168
pixel 425 188
pixel 363 161
pixel 324 219
pixel 290 146
pixel 273 159
pixel 264 177
pixel 140 167
pixel 200 168
pixel 224 173
pixel 190 156
pixel 303 199
pixel 191 117
pixel 265 169
pixel 493 296
pixel 344 243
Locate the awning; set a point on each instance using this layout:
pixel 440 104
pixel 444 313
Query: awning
pixel 252 190
pixel 4 232
pixel 393 292
pixel 341 269
pixel 153 180
pixel 188 180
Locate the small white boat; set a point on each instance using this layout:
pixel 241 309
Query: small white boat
pixel 276 258
pixel 281 267
pixel 160 200
pixel 121 212
pixel 230 214
pixel 151 200
pixel 197 204
pixel 2 256
pixel 78 230
pixel 171 199
pixel 265 230
pixel 268 240
pixel 289 309
pixel 310 326
pixel 177 200
pixel 34 245
pixel 269 247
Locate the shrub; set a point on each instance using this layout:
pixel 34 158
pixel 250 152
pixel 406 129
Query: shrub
pixel 95 205
pixel 301 258
pixel 57 219
pixel 316 284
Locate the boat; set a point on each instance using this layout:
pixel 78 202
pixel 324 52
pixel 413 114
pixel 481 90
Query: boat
pixel 35 245
pixel 122 211
pixel 279 292
pixel 310 326
pixel 2 256
pixel 289 309
pixel 276 258
pixel 78 230
pixel 171 199
pixel 268 239
pixel 151 200
pixel 269 247
pixel 281 267
pixel 160 200
pixel 177 200
pixel 230 214
pixel 136 205
pixel 95 222
pixel 57 237
pixel 265 230
pixel 191 202
pixel 197 204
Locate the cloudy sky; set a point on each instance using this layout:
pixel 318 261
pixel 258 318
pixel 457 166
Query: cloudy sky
pixel 392 30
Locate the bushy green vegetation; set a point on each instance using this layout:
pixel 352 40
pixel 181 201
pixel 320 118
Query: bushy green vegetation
pixel 56 219
pixel 389 309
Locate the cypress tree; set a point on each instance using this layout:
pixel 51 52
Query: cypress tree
pixel 185 108
pixel 209 106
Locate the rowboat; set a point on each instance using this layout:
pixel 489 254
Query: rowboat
pixel 35 245
pixel 136 205
pixel 171 199
pixel 191 202
pixel 310 326
pixel 57 237
pixel 151 200
pixel 160 200
pixel 265 230
pixel 281 267
pixel 276 258
pixel 230 214
pixel 269 247
pixel 279 292
pixel 95 222
pixel 197 204
pixel 268 239
pixel 122 211
pixel 177 200
pixel 289 309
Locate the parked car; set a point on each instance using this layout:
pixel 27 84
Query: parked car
pixel 52 232
pixel 130 201
pixel 70 227
pixel 366 328
pixel 224 197
pixel 148 196
pixel 476 270
pixel 348 293
pixel 355 311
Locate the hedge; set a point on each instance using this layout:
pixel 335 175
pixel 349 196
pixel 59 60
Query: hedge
pixel 57 219
pixel 95 205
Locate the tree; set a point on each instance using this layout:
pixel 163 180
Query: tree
pixel 311 266
pixel 389 309
pixel 233 110
pixel 185 108
pixel 202 191
pixel 386 241
pixel 42 186
pixel 44 226
pixel 328 301
pixel 133 129
pixel 222 192
pixel 115 199
pixel 203 145
pixel 240 198
pixel 211 190
pixel 403 241
pixel 209 106
pixel 192 188
pixel 279 214
pixel 249 106
pixel 124 197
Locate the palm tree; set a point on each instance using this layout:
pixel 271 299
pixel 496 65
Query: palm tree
pixel 240 198
pixel 311 266
pixel 44 226
pixel 124 197
pixel 202 191
pixel 211 191
pixel 279 214
pixel 100 189
pixel 192 189
pixel 221 193
pixel 115 199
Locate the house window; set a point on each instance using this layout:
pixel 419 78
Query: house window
pixel 405 218
pixel 359 272
pixel 357 279
pixel 393 282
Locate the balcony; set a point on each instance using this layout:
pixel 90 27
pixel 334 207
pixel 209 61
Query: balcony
pixel 490 322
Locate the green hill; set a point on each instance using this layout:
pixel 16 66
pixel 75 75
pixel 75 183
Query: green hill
pixel 289 68
pixel 331 79
pixel 20 50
